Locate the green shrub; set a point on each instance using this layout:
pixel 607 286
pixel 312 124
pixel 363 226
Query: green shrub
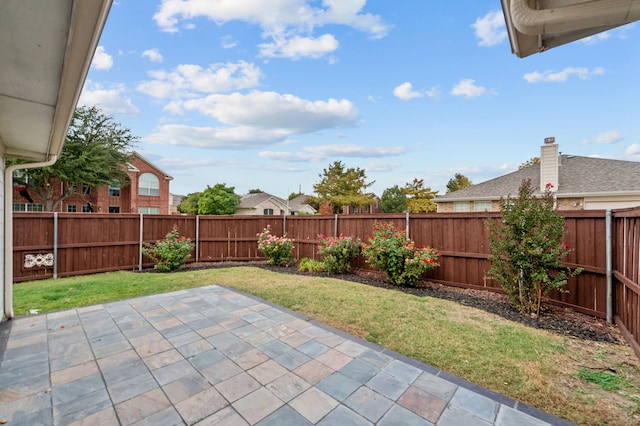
pixel 527 248
pixel 389 250
pixel 310 265
pixel 337 253
pixel 277 250
pixel 169 254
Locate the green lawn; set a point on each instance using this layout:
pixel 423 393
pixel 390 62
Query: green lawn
pixel 530 365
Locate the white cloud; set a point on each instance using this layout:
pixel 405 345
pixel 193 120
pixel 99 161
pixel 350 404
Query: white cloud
pixel 596 38
pixel 111 100
pixel 239 137
pixel 298 47
pixel 605 138
pixel 189 80
pixel 287 24
pixel 490 29
pixel 562 76
pixel 634 149
pixel 271 110
pixel 227 42
pixel 154 55
pixel 321 152
pixel 101 59
pixel 468 88
pixel 405 92
pixel 381 166
pixel 253 120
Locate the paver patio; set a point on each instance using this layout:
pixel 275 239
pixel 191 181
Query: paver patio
pixel 215 356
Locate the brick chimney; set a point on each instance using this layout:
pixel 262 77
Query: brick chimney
pixel 549 164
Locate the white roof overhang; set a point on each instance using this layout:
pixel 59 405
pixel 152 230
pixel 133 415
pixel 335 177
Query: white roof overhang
pixel 46 51
pixel 537 25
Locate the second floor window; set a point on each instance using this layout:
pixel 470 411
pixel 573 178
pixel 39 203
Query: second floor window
pixel 72 208
pixel 149 184
pixel 267 212
pixel 114 191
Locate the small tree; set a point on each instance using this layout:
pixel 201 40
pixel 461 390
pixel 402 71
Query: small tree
pixel 527 248
pixel 393 200
pixel 219 199
pixel 459 181
pixel 419 198
pixel 95 153
pixel 341 186
pixel 189 205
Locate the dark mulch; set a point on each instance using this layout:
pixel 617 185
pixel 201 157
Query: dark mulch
pixel 556 319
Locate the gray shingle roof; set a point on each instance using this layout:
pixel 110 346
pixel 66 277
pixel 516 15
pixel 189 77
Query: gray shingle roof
pixel 250 201
pixel 576 175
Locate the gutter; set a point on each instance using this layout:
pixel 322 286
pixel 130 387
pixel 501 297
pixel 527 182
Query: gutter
pixel 575 17
pixel 8 229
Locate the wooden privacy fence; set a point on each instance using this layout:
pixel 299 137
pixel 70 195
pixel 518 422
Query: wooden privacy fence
pixel 63 244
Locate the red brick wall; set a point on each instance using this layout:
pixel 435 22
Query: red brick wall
pixel 129 200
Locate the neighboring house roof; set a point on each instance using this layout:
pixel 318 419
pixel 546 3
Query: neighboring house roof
pixel 158 169
pixel 577 176
pixel 253 201
pixel 299 203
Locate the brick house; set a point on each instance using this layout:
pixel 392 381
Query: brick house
pixel 148 192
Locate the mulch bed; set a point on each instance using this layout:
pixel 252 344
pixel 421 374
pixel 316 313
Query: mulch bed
pixel 556 319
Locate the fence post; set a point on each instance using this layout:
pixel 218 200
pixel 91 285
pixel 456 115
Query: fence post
pixel 197 238
pixel 335 226
pixel 55 245
pixel 140 242
pixel 406 226
pixel 609 265
pixel 284 224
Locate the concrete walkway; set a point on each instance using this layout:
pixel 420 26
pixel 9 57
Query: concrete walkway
pixel 214 356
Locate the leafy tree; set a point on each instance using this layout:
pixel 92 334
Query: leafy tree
pixel 420 199
pixel 342 186
pixel 189 204
pixel 94 153
pixel 256 191
pixel 530 162
pixel 295 195
pixel 393 200
pixel 219 199
pixel 527 249
pixel 459 181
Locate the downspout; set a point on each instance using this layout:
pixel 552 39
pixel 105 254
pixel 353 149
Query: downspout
pixel 592 14
pixel 8 229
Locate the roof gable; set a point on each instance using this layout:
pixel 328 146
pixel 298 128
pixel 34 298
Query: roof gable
pixel 576 175
pixel 139 157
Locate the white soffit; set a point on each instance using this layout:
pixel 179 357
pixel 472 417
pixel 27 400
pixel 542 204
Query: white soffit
pixel 537 25
pixel 46 50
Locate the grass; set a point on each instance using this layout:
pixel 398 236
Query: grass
pixel 539 368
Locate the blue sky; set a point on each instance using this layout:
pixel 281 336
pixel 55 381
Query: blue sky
pixel 267 94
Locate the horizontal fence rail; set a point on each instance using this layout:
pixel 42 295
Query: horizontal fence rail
pixel 64 244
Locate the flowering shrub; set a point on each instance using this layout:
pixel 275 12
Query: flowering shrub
pixel 337 253
pixel 397 256
pixel 169 254
pixel 278 250
pixel 527 248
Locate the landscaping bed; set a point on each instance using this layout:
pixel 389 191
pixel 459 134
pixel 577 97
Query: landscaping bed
pixel 555 318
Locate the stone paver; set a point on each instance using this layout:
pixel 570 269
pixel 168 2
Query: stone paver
pixel 214 356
